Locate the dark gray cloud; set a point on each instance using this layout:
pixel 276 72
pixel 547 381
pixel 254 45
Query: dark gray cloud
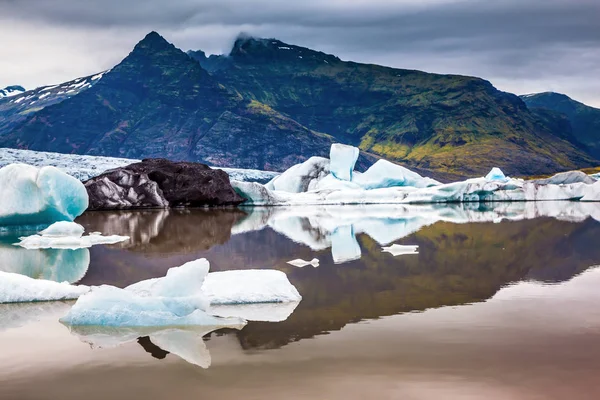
pixel 521 46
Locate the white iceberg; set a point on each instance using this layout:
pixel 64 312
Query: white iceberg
pixel 249 286
pixel 300 263
pixel 495 174
pixel 15 288
pixel 67 235
pixel 384 174
pixel 342 160
pixel 62 229
pixel 399 250
pixel 39 196
pixel 181 298
pixel 301 177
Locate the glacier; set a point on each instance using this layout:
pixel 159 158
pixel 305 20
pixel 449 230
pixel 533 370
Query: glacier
pixel 67 235
pixel 16 288
pixel 87 167
pixel 39 196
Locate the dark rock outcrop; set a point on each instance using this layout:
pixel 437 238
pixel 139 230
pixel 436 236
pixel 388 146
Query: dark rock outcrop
pixel 160 183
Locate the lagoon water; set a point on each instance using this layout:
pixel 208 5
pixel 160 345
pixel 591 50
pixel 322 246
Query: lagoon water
pixel 500 302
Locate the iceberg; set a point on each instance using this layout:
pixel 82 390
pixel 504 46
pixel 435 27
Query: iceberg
pixel 384 174
pixel 15 288
pixel 398 250
pixel 67 235
pixel 181 298
pixel 495 175
pixel 249 286
pixel 301 177
pixel 39 196
pixel 342 160
pixel 302 263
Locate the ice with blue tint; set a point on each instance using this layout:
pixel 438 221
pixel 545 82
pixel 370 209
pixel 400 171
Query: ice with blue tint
pixel 342 160
pixel 384 174
pixel 495 174
pixel 16 288
pixel 57 265
pixel 249 286
pixel 39 196
pixel 62 229
pixel 176 299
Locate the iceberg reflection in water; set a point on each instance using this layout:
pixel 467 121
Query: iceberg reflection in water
pixel 58 265
pixel 336 227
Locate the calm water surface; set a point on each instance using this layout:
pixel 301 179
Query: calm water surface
pixel 501 302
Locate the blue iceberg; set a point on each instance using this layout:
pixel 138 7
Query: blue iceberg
pixel 342 160
pixel 39 196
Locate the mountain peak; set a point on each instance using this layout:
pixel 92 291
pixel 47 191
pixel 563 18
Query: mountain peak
pixel 273 49
pixel 11 91
pixel 153 42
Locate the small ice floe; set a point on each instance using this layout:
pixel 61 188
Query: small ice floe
pixel 15 288
pixel 300 263
pixel 67 235
pixel 184 297
pixel 398 249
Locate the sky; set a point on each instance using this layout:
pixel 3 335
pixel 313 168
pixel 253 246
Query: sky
pixel 521 46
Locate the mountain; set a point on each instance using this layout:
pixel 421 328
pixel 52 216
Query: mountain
pixel 158 102
pixel 584 120
pixel 23 104
pixel 455 124
pixel 10 91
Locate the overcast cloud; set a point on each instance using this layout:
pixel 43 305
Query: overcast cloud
pixel 522 46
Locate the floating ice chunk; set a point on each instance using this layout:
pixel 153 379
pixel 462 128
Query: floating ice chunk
pixel 249 286
pixel 302 263
pixel 398 250
pixel 15 288
pixel 332 183
pixel 342 160
pixel 111 306
pixel 384 174
pixel 38 196
pixel 174 300
pixel 51 264
pixel 495 175
pixel 264 312
pixel 183 282
pixel 62 229
pixel 566 178
pixel 68 242
pixel 344 247
pixel 301 177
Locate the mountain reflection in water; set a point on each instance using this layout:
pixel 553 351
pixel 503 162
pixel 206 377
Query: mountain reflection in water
pixel 467 253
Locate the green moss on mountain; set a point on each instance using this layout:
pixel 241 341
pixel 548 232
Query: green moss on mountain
pixel 584 120
pixel 447 123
